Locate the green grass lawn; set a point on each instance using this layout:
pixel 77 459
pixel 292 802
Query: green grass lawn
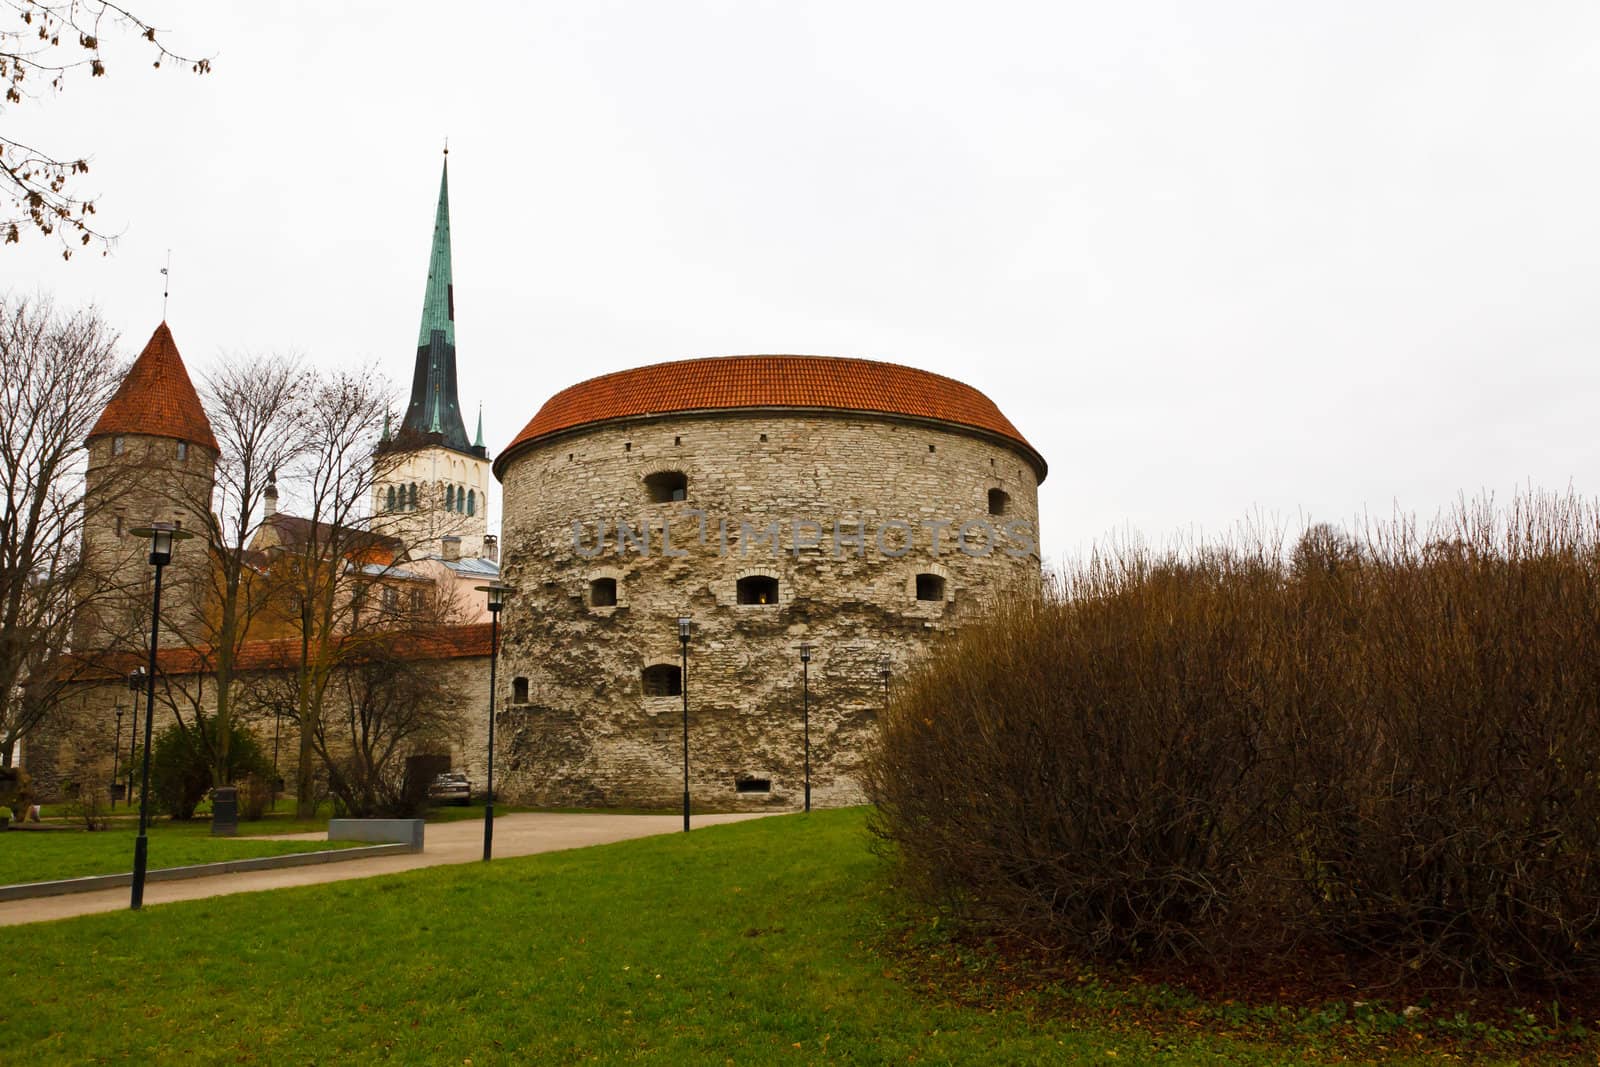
pixel 758 942
pixel 42 856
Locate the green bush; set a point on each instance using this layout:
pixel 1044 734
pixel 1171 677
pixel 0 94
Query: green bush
pixel 1386 745
pixel 180 766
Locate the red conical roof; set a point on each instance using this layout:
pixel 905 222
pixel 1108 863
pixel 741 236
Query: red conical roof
pixel 727 382
pixel 157 398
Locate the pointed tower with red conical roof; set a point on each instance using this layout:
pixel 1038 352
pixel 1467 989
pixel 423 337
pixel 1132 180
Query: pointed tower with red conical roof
pixel 152 458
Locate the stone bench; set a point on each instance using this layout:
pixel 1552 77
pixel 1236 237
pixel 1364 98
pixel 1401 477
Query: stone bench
pixel 381 831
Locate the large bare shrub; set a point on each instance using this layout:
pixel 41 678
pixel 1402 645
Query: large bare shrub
pixel 1389 744
pixel 1086 769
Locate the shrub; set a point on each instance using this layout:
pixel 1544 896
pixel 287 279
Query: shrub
pixel 180 768
pixel 5 814
pixel 255 796
pixel 1386 743
pixel 16 789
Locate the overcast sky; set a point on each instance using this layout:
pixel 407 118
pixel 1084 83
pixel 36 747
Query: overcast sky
pixel 1211 259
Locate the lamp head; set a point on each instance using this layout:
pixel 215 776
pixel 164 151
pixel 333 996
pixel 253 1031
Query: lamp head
pixel 136 679
pixel 883 667
pixel 497 593
pixel 683 629
pixel 162 535
pixel 805 652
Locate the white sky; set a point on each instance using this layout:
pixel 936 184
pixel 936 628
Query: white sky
pixel 1212 259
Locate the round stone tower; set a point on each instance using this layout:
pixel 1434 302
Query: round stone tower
pixel 152 458
pixel 854 507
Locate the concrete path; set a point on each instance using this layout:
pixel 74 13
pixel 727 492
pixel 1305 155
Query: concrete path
pixel 450 842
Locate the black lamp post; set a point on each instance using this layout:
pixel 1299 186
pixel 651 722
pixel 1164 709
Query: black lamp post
pixel 683 687
pixel 135 686
pixel 116 753
pixel 805 711
pixel 497 598
pixel 162 535
pixel 883 671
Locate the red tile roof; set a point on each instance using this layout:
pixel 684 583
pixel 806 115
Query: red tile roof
pixel 157 398
pixel 445 642
pixel 732 382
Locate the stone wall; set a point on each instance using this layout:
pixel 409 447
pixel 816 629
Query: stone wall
pixel 579 727
pixel 87 718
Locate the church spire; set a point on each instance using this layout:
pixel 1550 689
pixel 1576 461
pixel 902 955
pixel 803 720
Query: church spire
pixel 434 414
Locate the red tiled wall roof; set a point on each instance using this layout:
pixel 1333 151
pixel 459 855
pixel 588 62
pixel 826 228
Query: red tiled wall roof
pixel 730 382
pixel 157 398
pixel 447 642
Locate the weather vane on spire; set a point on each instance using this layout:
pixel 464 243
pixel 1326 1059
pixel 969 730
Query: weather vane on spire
pixel 166 284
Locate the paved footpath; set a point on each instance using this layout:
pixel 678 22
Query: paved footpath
pixel 451 842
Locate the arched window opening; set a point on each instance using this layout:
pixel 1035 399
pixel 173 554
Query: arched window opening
pixel 472 501
pixel 449 498
pixel 390 499
pixel 519 690
pixel 999 502
pixel 930 587
pixel 663 680
pixel 667 486
pixel 411 502
pixel 603 593
pixel 758 589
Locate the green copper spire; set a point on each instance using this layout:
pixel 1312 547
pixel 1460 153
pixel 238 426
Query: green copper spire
pixel 478 442
pixel 439 299
pixel 433 418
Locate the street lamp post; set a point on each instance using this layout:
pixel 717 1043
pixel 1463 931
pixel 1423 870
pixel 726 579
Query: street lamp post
pixel 496 594
pixel 805 711
pixel 135 686
pixel 116 753
pixel 683 687
pixel 161 535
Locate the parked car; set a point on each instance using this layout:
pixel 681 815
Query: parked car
pixel 451 787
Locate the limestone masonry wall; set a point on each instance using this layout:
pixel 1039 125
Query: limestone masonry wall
pixel 862 504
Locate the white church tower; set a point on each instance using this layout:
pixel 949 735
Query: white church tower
pixel 432 484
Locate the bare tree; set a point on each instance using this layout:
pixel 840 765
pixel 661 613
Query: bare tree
pixel 327 563
pixel 57 372
pixel 48 41
pixel 256 408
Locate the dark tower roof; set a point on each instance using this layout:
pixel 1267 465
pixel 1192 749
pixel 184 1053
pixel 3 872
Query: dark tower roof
pixel 434 415
pixel 157 398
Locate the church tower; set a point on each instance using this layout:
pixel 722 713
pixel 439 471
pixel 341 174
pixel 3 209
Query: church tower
pixel 152 458
pixel 431 482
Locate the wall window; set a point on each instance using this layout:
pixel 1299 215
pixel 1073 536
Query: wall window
pixel 416 600
pixel 667 486
pixel 999 502
pixel 930 587
pixel 449 498
pixel 758 589
pixel 119 525
pixel 663 680
pixel 519 690
pixel 603 593
pixel 391 598
pixel 411 501
pixel 183 451
pixel 746 784
pixel 118 445
pixel 390 499
pixel 472 501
